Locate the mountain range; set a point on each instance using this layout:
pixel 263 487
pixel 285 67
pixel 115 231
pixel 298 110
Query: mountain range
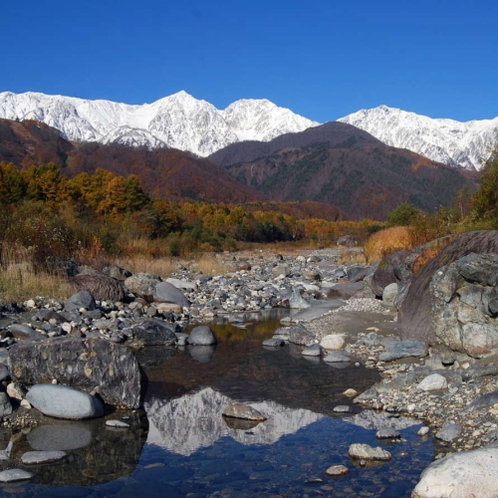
pixel 180 121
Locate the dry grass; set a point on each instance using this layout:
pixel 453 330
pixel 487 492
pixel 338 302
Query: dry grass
pixel 141 263
pixel 387 241
pixel 210 264
pixel 20 280
pixel 352 256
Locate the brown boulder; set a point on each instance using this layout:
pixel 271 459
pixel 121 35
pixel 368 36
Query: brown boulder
pixel 102 287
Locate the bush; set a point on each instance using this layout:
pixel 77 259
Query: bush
pixel 387 241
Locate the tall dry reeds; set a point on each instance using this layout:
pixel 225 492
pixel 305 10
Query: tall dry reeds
pixel 387 241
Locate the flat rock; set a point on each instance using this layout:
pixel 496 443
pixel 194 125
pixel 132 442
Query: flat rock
pixel 274 342
pixel 337 357
pixel 25 333
pixel 313 350
pixel 367 452
pixel 337 471
pixel 117 423
pixel 13 475
pixel 64 402
pixel 34 457
pixel 300 335
pixel 239 410
pixel 404 349
pixel 388 433
pixel 460 475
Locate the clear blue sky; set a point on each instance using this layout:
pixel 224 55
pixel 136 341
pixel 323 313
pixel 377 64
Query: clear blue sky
pixel 321 58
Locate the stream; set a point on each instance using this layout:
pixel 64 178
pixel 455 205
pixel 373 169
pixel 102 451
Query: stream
pixel 183 447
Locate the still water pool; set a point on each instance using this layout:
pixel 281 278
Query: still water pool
pixel 182 446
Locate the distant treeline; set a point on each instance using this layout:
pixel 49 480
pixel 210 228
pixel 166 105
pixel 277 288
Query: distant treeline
pixel 57 216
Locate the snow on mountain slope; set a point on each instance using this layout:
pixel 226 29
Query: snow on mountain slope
pixel 445 140
pixel 178 121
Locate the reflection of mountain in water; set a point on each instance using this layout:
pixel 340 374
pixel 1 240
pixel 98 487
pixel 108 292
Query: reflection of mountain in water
pixel 370 419
pixel 185 424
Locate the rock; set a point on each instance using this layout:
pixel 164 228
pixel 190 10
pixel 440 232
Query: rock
pixel 13 475
pixel 82 299
pixel 350 392
pixel 449 431
pixel 341 409
pixel 25 333
pixel 484 401
pixel 415 312
pixel 460 475
pixel 386 274
pixel 461 293
pixel 367 452
pixel 337 471
pixel 116 272
pixel 36 457
pixel 333 342
pixel 154 332
pixel 238 410
pixel 389 294
pixel 312 275
pixel 5 404
pixel 102 287
pixel 119 424
pixel 388 433
pixel 404 349
pixel 4 372
pixel 142 284
pixel 297 302
pixel 274 342
pixel 313 350
pixel 423 431
pixel 164 292
pixel 92 365
pixel 183 284
pixel 202 335
pixel 281 271
pixel 64 402
pixel 337 357
pixel 300 335
pixel 433 382
pixel 344 290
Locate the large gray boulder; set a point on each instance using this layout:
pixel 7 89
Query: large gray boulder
pixel 64 402
pixel 164 292
pixel 300 335
pixel 464 304
pixel 414 316
pixel 460 475
pixel 92 365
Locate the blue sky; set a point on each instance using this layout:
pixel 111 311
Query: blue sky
pixel 321 58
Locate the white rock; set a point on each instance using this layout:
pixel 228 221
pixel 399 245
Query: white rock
pixel 433 382
pixel 333 342
pixel 367 452
pixel 461 475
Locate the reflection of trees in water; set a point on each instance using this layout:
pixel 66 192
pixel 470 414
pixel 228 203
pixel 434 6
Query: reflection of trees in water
pixel 96 453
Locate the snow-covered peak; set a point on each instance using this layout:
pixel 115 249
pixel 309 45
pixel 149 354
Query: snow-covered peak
pixel 464 144
pixel 179 120
pixel 262 120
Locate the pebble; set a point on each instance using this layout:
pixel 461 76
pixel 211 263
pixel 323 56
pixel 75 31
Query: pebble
pixel 117 423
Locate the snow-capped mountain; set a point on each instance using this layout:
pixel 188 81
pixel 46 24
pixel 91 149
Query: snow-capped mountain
pixel 448 141
pixel 178 121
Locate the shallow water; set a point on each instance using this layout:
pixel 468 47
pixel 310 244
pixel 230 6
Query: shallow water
pixel 191 450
